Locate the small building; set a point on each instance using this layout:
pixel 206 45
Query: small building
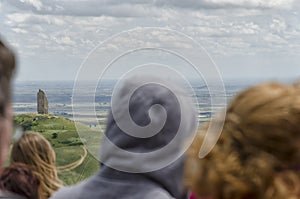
pixel 42 102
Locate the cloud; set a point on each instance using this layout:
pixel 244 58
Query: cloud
pixel 84 8
pixel 28 18
pixel 274 39
pixel 64 40
pixel 138 8
pixel 19 30
pixel 37 4
pixel 243 32
pixel 272 4
pixel 278 25
pixel 69 29
pixel 220 4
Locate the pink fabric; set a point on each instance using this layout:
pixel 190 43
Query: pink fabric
pixel 193 196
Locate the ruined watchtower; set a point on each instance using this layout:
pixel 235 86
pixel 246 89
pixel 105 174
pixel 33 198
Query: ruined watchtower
pixel 42 102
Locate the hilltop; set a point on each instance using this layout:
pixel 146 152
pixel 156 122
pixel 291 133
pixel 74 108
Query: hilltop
pixel 75 163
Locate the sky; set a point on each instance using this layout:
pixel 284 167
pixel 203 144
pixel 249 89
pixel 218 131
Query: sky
pixel 246 39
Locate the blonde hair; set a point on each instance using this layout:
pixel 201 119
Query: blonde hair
pixel 258 153
pixel 34 150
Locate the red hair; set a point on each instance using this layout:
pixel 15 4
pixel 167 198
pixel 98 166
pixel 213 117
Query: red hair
pixel 19 179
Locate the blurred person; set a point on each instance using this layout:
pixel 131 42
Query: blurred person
pixel 7 70
pixel 19 179
pixel 258 153
pixel 162 183
pixel 34 150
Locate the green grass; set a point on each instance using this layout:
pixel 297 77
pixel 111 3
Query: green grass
pixel 68 154
pixel 86 169
pixel 62 134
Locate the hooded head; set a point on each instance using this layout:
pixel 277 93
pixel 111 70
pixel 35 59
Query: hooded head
pixel 150 123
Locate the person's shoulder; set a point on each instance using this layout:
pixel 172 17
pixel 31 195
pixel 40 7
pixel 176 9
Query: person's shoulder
pixel 159 194
pixel 68 192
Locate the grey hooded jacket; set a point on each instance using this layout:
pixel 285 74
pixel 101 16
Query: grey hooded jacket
pixel 163 183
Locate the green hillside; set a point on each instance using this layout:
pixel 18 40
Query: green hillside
pixel 73 160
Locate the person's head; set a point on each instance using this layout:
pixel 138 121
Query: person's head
pixel 7 68
pixel 150 121
pixel 258 153
pixel 34 150
pixel 20 180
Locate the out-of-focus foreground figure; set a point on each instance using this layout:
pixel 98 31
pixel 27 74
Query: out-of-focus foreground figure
pixel 7 68
pixel 35 151
pixel 258 153
pixel 19 179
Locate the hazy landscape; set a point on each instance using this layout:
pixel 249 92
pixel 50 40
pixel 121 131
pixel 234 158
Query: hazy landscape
pixel 75 163
pixel 59 95
pixel 76 157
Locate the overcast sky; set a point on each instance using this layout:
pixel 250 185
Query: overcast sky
pixel 245 38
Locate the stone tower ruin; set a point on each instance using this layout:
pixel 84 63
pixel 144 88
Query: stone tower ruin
pixel 42 102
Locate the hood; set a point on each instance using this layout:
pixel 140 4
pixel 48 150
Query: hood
pixel 149 125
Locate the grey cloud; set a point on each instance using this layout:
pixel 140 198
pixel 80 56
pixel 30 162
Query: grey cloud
pixel 86 8
pixel 221 4
pixel 138 8
pixel 70 26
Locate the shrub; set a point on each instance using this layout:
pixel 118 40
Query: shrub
pixel 54 135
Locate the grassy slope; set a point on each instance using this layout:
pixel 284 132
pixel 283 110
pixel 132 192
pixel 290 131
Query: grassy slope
pixel 62 134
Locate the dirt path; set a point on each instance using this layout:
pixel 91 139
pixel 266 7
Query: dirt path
pixel 75 164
